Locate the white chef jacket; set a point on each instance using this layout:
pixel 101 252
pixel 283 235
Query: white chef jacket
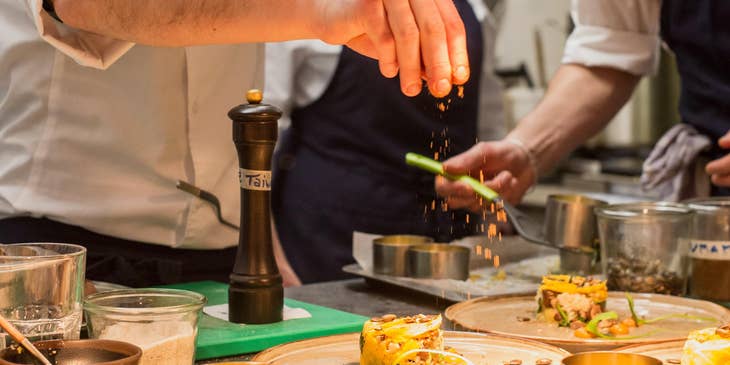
pixel 621 34
pixel 103 149
pixel 298 72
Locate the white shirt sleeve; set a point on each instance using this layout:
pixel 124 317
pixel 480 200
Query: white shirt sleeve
pixel 298 73
pixel 622 34
pixel 86 48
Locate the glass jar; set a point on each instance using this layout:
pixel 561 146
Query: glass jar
pixel 644 246
pixel 709 249
pixel 163 322
pixel 41 289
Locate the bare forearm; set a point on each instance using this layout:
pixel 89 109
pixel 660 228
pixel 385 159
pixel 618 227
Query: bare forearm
pixel 579 102
pixel 191 22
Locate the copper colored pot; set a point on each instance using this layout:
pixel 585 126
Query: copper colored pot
pixel 77 352
pixel 609 358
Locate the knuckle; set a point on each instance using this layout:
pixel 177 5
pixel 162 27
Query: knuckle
pixel 454 26
pixel 433 28
pixel 408 32
pixel 386 40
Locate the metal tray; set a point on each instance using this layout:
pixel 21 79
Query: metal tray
pixel 522 266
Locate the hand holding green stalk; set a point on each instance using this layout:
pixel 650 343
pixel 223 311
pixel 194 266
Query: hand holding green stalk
pixel 435 167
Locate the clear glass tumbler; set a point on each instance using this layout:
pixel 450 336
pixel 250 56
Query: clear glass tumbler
pixel 644 246
pixel 41 289
pixel 163 322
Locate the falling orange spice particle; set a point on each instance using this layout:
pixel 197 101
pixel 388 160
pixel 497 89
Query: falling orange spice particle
pixel 436 155
pixel 433 204
pixel 478 250
pixel 496 261
pixel 467 218
pixel 460 91
pixel 492 231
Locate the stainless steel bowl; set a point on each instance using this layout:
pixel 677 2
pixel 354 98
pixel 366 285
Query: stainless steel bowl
pixel 571 223
pixel 438 261
pixel 389 253
pixel 609 358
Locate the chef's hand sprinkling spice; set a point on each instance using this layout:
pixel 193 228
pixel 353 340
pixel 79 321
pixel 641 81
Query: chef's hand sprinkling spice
pixel 409 38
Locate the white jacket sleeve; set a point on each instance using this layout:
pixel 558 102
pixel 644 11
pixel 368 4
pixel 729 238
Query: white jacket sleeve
pixel 622 34
pixel 86 48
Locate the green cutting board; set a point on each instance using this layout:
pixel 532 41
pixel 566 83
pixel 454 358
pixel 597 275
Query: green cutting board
pixel 219 338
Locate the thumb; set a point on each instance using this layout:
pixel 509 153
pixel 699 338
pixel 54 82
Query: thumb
pixel 364 46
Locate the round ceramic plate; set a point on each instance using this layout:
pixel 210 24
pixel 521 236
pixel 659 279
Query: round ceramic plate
pixel 668 352
pixel 515 316
pixel 344 350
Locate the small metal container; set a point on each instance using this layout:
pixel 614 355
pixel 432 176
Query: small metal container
pixel 438 261
pixel 609 358
pixel 389 253
pixel 709 249
pixel 571 223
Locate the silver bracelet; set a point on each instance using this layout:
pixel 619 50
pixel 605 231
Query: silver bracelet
pixel 530 156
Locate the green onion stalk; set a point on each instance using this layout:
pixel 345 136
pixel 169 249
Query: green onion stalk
pixel 435 167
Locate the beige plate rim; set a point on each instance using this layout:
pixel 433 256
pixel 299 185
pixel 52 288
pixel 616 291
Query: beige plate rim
pixel 449 313
pixel 659 345
pixel 273 353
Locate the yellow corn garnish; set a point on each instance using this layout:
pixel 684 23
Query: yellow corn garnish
pixel 562 284
pixel 385 341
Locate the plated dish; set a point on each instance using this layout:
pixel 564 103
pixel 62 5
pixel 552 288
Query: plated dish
pixel 516 316
pixel 421 332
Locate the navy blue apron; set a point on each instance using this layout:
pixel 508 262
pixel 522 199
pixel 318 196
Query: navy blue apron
pixel 698 31
pixel 340 167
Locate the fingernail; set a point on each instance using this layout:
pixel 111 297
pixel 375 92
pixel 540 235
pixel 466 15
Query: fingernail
pixel 461 73
pixel 413 89
pixel 390 69
pixel 443 86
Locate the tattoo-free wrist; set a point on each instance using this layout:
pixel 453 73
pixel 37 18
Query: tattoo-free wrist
pixel 532 160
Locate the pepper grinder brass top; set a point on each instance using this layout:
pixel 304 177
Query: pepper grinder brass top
pixel 256 294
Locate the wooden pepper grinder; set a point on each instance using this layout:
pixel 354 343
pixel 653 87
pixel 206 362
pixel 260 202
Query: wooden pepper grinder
pixel 256 294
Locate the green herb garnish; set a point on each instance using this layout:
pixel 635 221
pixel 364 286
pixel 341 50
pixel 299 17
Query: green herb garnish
pixel 564 320
pixel 642 321
pixel 592 327
pixel 636 318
